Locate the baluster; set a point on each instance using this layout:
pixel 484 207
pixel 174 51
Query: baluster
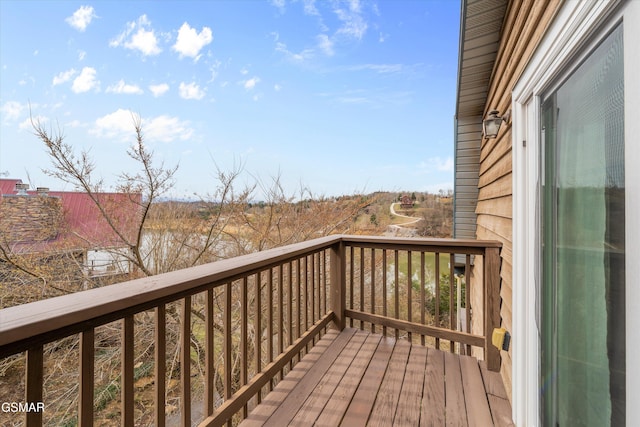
pixel 467 298
pixel 452 306
pixel 306 297
pixel 185 362
pixel 422 294
pixel 290 308
pixel 384 288
pixel 160 364
pixel 396 290
pixel 351 280
pixel 280 313
pixel 127 371
pixel 373 286
pixel 362 309
pixel 312 269
pixel 270 321
pixel 209 386
pixel 437 297
pixel 85 401
pixel 298 302
pixel 244 332
pixel 258 327
pixel 227 341
pixel 409 286
pixel 35 377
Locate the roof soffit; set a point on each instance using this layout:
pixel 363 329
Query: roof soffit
pixel 480 31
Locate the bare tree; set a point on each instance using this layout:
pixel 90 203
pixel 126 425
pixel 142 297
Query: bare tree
pixel 161 236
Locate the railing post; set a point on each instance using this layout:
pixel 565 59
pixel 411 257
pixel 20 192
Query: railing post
pixel 491 305
pixel 338 277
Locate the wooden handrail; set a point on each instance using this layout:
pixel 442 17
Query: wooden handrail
pixel 325 292
pixel 44 321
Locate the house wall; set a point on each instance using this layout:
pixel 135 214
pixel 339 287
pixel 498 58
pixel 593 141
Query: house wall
pixel 30 218
pixel 524 25
pixel 466 179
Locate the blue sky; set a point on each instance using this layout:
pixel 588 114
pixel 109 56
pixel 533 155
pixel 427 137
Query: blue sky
pixel 338 96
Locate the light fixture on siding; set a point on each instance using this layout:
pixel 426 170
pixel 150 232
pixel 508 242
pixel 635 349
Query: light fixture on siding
pixel 491 125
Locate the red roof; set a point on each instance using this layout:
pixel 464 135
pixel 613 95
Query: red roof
pixel 84 226
pixel 8 186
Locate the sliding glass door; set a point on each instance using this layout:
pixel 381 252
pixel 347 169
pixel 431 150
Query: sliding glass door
pixel 583 251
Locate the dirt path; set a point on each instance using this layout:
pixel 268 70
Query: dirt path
pixel 401 229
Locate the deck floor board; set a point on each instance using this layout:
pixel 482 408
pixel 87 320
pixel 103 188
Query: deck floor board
pixel 455 411
pixel 433 412
pixel 337 405
pixel 362 402
pixel 386 404
pixel 357 378
pixel 317 400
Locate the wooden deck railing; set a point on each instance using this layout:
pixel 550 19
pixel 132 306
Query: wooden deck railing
pixel 239 325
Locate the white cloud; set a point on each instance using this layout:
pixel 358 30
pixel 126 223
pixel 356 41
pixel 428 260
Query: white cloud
pixel 81 55
pixel 353 21
pixel 159 90
pixel 437 163
pixel 244 71
pixel 310 8
pixel 354 100
pixel 378 68
pixel 123 88
pixel 446 165
pixel 63 77
pixel 11 110
pixel 119 125
pixel 325 44
pixel 81 18
pixel 214 70
pixel 190 91
pixel 277 87
pixel 291 56
pixel 251 83
pixel 280 4
pixel 143 40
pixel 166 129
pixel 85 81
pixel 29 122
pixel 190 42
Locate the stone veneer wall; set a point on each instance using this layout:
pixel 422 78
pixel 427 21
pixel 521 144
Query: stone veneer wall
pixel 30 218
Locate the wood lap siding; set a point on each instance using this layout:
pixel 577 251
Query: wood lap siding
pixel 524 25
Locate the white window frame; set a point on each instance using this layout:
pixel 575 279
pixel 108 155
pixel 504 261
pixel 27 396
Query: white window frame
pixel 577 27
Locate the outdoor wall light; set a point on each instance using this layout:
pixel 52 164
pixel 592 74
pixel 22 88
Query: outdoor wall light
pixel 491 125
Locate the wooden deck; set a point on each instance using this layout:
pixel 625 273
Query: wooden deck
pixel 356 378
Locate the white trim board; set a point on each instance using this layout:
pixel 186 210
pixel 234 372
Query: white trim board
pixel 576 26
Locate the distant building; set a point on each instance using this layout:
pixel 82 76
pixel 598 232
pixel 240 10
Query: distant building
pixel 60 222
pixel 406 202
